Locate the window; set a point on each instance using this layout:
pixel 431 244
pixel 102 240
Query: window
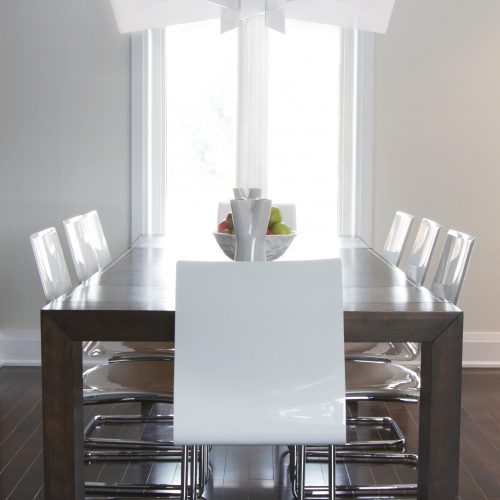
pixel 201 102
pixel 193 155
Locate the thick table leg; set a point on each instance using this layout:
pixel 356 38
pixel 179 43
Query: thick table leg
pixel 439 435
pixel 62 414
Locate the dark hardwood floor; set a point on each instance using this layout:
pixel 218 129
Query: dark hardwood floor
pixel 245 472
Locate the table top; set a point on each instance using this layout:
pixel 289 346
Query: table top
pixel 143 280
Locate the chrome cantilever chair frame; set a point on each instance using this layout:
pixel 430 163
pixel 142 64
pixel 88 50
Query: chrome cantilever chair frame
pixel 447 284
pixel 118 449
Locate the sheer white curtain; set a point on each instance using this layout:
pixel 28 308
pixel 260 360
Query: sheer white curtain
pixel 201 100
pixel 304 76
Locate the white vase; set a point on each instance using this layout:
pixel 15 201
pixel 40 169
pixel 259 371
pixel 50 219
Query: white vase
pixel 243 193
pixel 250 218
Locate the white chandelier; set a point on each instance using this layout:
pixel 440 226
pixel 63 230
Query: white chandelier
pixel 365 15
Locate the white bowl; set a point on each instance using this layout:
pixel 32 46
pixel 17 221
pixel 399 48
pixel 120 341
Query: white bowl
pixel 276 244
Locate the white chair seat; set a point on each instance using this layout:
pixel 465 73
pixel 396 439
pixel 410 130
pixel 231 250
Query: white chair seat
pixel 140 380
pixel 121 351
pixel 381 380
pixel 394 351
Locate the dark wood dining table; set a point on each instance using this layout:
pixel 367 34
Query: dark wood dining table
pixel 132 300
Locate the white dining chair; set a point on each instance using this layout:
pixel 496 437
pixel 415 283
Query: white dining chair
pixel 87 243
pixel 383 380
pixel 50 263
pixel 82 243
pixel 446 284
pixel 81 247
pixel 397 238
pixel 421 253
pixel 240 327
pixel 416 271
pixel 139 381
pixel 90 253
pixel 97 239
pixel 452 267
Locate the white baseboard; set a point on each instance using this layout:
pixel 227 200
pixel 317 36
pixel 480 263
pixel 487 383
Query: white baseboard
pixel 19 348
pixel 22 348
pixel 481 350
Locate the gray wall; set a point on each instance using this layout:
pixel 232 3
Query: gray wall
pixel 64 135
pixel 437 126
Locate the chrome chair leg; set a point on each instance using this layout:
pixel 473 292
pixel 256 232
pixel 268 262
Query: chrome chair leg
pixel 194 472
pixel 301 471
pixel 298 459
pixel 184 473
pixel 331 472
pixel 206 469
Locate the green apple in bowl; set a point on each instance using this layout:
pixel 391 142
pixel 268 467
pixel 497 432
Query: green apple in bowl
pixel 280 228
pixel 274 217
pixel 230 223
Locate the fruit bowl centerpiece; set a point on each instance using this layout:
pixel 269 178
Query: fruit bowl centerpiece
pixel 276 244
pixel 278 238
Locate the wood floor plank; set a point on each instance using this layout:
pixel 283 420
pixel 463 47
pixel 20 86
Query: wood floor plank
pixel 29 488
pixel 19 436
pixel 20 462
pixel 487 450
pixel 478 468
pixel 469 489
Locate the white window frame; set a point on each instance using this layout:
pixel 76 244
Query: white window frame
pixel 148 179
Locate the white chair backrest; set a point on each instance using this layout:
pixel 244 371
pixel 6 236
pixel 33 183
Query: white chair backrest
pixel 452 266
pixel 51 265
pixel 288 213
pixel 422 251
pixel 259 346
pixel 97 239
pixel 397 237
pixel 82 251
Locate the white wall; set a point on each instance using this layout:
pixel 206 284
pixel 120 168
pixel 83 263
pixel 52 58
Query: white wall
pixel 64 141
pixel 437 138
